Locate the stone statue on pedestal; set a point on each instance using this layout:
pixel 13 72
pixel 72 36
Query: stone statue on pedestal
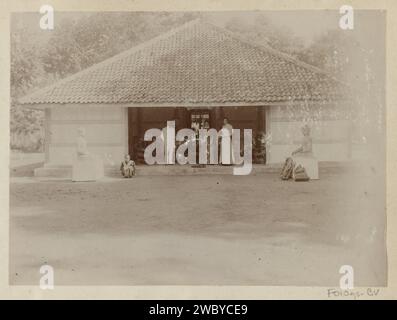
pixel 81 143
pixel 304 157
pixel 86 167
pixel 306 147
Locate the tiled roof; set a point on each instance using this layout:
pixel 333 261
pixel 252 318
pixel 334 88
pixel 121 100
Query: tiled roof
pixel 193 64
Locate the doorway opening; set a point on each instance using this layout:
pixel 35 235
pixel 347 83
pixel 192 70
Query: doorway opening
pixel 199 119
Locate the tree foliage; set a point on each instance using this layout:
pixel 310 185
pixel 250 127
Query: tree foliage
pixel 261 31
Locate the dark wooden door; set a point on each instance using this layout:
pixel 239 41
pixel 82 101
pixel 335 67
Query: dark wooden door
pixel 199 118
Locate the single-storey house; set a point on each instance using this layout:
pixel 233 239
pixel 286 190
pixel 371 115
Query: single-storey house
pixel 194 72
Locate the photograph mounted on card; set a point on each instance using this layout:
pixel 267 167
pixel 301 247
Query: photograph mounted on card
pixel 198 148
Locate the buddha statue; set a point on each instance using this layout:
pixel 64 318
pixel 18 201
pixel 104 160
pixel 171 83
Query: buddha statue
pixel 304 155
pixel 306 147
pixel 86 167
pixel 82 150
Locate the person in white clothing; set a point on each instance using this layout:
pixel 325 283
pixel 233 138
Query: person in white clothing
pixel 226 154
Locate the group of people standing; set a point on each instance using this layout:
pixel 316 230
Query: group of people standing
pixel 128 170
pixel 226 149
pixel 290 169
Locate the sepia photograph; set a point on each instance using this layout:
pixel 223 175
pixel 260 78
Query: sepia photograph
pixel 243 148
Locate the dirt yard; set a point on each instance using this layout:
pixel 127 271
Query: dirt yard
pixel 199 230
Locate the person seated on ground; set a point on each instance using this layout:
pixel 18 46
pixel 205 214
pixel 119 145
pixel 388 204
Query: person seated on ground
pixel 127 167
pixel 293 167
pixel 306 147
pixel 305 163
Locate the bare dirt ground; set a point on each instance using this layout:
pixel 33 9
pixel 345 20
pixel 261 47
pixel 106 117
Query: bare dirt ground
pixel 200 230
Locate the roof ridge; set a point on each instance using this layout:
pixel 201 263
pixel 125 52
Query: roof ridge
pixel 117 56
pixel 276 52
pixel 50 92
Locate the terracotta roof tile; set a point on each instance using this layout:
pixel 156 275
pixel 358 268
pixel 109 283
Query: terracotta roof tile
pixel 195 63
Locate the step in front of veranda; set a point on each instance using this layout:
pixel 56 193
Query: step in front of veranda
pixel 196 170
pixel 65 172
pixel 153 170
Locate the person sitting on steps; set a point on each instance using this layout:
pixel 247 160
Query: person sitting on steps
pixel 127 167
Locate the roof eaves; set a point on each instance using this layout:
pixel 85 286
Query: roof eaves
pixel 278 53
pixel 25 99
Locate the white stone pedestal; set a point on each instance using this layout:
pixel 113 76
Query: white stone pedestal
pixel 310 163
pixel 87 168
